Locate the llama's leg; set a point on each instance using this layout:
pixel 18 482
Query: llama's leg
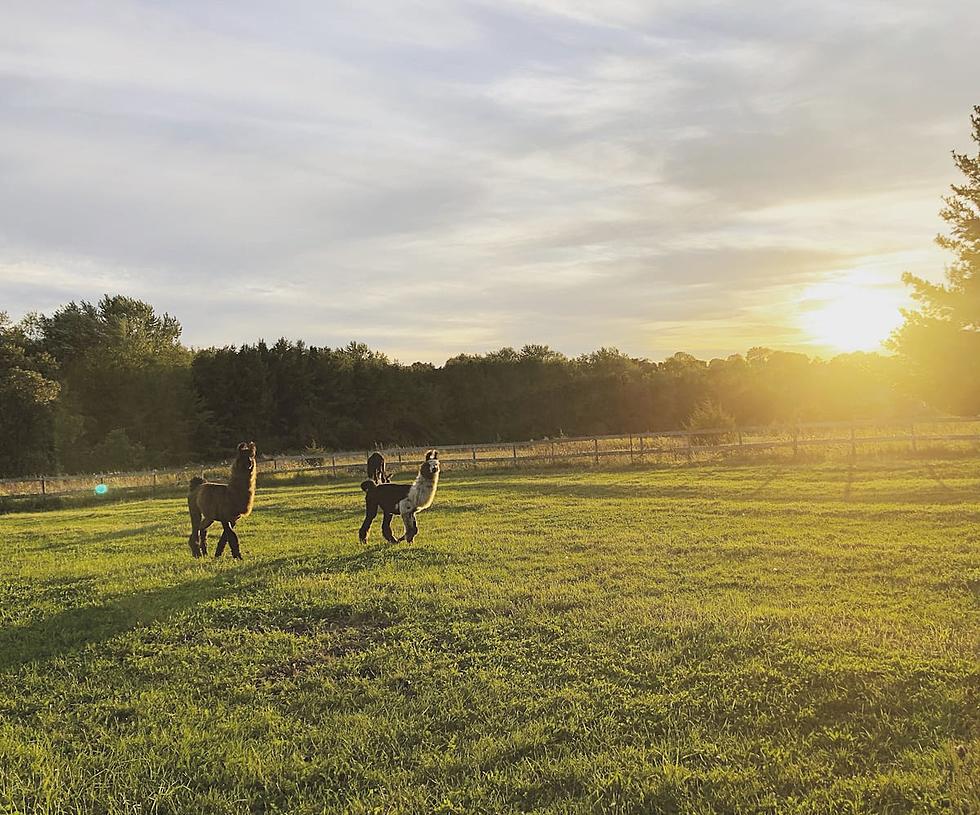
pixel 236 553
pixel 411 526
pixel 204 541
pixel 220 548
pixel 192 541
pixel 370 512
pixel 386 528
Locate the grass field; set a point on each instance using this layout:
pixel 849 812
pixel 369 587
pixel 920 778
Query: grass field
pixel 799 639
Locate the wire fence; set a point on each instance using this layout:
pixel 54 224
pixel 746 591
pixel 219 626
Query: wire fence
pixel 654 447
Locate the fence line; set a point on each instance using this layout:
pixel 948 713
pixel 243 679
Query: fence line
pixel 674 445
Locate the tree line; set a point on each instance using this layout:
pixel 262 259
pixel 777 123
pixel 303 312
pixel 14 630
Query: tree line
pixel 110 386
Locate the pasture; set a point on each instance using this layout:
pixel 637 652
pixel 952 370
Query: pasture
pixel 765 638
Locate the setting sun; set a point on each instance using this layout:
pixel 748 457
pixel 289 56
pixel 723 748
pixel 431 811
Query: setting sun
pixel 851 315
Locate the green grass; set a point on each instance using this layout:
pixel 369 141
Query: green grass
pixel 713 639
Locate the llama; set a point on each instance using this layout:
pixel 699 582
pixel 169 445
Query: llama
pixel 376 469
pixel 209 502
pixel 406 500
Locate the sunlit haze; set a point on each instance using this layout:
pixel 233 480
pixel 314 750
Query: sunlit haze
pixel 439 177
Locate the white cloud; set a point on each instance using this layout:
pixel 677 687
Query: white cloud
pixel 535 170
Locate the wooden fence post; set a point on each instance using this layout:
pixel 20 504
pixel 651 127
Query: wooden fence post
pixel 689 451
pixel 333 461
pixel 631 448
pixel 641 449
pixel 739 438
pixel 552 454
pixel 44 489
pixel 154 481
pixel 595 451
pixel 473 452
pixel 515 455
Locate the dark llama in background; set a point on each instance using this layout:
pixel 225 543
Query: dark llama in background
pixel 209 502
pixel 406 500
pixel 376 470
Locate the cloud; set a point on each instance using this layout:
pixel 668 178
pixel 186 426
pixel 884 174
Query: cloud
pixel 529 170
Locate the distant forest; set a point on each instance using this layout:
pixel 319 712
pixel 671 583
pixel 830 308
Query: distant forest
pixel 109 386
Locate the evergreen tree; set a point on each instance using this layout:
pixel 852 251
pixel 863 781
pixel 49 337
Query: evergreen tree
pixel 940 341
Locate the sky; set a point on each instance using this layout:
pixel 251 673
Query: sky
pixel 433 177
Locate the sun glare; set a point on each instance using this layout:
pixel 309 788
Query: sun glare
pixel 851 315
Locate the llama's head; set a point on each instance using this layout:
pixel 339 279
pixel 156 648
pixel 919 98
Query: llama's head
pixel 245 458
pixel 430 467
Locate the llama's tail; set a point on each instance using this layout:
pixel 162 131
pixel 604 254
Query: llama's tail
pixel 196 482
pixel 368 485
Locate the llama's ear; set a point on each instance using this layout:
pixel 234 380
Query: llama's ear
pixel 428 454
pixel 243 446
pixel 251 446
pixel 435 454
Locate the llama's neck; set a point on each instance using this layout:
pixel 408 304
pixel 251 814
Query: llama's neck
pixel 242 486
pixel 423 491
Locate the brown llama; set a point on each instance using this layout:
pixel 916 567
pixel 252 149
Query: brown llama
pixel 209 502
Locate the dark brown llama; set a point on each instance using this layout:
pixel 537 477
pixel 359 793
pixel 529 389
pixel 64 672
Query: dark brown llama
pixel 376 469
pixel 209 502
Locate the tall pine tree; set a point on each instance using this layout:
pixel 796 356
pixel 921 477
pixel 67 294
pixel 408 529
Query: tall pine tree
pixel 940 341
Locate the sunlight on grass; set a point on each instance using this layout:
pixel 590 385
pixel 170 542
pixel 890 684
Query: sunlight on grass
pixel 770 638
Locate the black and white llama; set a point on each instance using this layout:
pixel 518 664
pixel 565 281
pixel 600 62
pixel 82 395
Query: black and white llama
pixel 406 500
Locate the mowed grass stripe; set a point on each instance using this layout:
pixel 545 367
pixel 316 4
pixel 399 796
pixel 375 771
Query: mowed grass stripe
pixel 745 639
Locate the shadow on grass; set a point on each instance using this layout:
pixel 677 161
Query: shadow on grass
pixel 75 629
pixel 767 492
pixel 102 537
pixel 314 515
